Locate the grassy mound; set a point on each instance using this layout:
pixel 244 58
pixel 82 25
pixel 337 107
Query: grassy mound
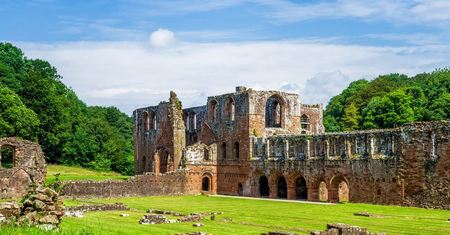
pixel 78 173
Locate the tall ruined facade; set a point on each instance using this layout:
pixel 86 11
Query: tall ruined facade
pixel 269 144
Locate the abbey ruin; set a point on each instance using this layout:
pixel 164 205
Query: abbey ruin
pixel 269 144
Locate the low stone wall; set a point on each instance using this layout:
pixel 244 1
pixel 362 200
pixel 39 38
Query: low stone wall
pixel 173 183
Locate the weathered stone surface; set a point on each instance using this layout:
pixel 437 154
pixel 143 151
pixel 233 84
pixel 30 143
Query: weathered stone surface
pixel 8 209
pixel 153 219
pixel 344 229
pixel 28 167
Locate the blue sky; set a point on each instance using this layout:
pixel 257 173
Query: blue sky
pixel 131 53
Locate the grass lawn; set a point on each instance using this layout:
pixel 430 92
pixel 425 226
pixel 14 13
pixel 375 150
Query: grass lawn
pixel 250 217
pixel 78 173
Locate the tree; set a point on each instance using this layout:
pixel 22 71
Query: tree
pixel 15 118
pixel 351 118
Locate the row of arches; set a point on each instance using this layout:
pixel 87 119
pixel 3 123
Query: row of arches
pixel 236 151
pixel 230 112
pixel 336 191
pixel 149 121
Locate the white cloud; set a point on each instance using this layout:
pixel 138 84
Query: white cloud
pixel 432 12
pixel 162 38
pixel 131 75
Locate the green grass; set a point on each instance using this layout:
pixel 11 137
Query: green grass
pixel 252 217
pixel 78 173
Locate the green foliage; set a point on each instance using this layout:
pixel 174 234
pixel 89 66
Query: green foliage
pixel 15 118
pixel 389 101
pixel 37 105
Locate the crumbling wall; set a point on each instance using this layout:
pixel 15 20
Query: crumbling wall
pixel 312 122
pixel 28 167
pixel 159 136
pixel 151 184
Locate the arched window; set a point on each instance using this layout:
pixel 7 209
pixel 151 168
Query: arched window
pixel 213 111
pixel 152 120
pixel 236 150
pixel 282 187
pixel 274 112
pixel 206 154
pixel 323 192
pixel 146 119
pixel 188 123
pixel 206 184
pixel 229 109
pixel 7 155
pixel 194 121
pixel 264 190
pixel 224 150
pixel 305 123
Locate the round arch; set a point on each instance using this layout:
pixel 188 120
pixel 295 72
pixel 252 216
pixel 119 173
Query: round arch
pixel 282 187
pixel 274 112
pixel 339 189
pixel 301 188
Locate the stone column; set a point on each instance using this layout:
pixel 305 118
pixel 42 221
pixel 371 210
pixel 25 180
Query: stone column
pixel 267 148
pixel 273 190
pixel 291 192
pixel 327 149
pixel 308 149
pixel 348 148
pixel 286 149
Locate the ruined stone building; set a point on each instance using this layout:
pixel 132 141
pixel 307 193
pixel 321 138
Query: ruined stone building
pixel 22 163
pixel 269 144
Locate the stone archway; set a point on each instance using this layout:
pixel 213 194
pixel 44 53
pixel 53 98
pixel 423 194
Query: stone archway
pixel 323 192
pixel 301 188
pixel 339 189
pixel 264 190
pixel 282 188
pixel 240 190
pixel 206 183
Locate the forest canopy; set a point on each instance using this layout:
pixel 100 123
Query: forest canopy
pixel 389 101
pixel 36 105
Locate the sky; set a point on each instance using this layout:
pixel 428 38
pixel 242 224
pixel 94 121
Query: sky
pixel 130 54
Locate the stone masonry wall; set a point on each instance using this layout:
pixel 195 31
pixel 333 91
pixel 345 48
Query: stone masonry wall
pixel 28 167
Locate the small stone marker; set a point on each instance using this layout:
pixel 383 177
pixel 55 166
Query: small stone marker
pixel 124 215
pixel 213 217
pixel 198 225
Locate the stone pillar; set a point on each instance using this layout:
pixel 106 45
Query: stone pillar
pixel 286 149
pixel 313 194
pixel 348 148
pixel 267 148
pixel 273 190
pixel 372 146
pixel 327 149
pixel 252 148
pixel 308 149
pixel 291 192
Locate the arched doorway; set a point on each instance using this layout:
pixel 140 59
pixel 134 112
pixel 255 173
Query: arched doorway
pixel 339 190
pixel 240 190
pixel 206 184
pixel 323 192
pixel 7 155
pixel 264 190
pixel 282 188
pixel 301 189
pixel 163 161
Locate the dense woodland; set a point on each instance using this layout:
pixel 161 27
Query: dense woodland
pixel 389 101
pixel 36 105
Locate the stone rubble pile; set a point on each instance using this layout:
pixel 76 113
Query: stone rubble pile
pixel 78 211
pixel 41 207
pixel 193 233
pixel 153 219
pixel 344 229
pixel 157 217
